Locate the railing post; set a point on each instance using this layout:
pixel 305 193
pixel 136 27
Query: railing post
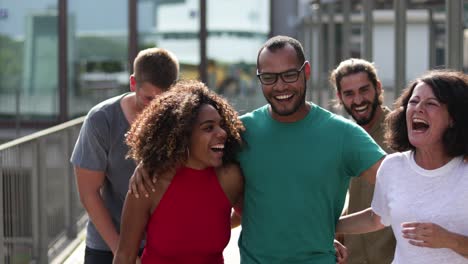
pixel 320 55
pixel 40 234
pixel 400 46
pixel 2 234
pixel 70 221
pixel 346 30
pixel 454 28
pixel 331 56
pixel 367 30
pixel 34 199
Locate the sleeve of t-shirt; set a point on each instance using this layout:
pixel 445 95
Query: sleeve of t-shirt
pixel 380 199
pixel 91 148
pixel 360 151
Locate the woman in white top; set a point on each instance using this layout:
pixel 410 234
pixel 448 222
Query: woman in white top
pixel 422 192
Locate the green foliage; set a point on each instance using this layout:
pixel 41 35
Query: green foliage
pixel 11 64
pixel 102 48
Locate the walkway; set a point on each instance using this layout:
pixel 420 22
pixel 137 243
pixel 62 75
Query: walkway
pixel 231 253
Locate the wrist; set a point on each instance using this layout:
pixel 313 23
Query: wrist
pixel 452 242
pixel 114 247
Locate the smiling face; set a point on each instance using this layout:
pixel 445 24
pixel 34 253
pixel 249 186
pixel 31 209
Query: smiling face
pixel 287 100
pixel 207 139
pixel 426 118
pixel 360 98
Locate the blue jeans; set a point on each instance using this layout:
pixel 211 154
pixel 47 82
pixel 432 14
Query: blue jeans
pixel 94 256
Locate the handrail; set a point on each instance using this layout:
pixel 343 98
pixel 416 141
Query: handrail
pixel 42 133
pixel 40 212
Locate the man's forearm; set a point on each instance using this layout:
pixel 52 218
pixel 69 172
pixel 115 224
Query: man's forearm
pixel 357 223
pixel 101 219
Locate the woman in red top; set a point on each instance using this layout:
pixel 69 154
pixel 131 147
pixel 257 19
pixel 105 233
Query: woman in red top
pixel 188 137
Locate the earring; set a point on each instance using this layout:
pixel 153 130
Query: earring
pixel 187 150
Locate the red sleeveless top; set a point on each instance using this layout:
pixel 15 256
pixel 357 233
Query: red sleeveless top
pixel 191 223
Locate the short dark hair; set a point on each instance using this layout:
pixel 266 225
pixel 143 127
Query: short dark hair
pixel 156 66
pixel 160 135
pixel 450 88
pixel 278 42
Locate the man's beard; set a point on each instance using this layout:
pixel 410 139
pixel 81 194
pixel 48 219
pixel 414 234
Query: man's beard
pixel 298 105
pixel 364 121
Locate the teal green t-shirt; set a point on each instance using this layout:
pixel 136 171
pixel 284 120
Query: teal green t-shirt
pixel 296 176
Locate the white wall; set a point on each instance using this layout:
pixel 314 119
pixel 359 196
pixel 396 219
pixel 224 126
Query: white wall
pixel 222 15
pixel 417 48
pixel 234 15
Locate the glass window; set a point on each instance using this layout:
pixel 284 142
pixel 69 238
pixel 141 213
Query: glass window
pixel 97 52
pixel 236 30
pixel 173 25
pixel 28 59
pixel 465 37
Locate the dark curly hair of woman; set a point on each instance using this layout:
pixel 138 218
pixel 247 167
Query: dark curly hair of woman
pixel 450 88
pixel 160 136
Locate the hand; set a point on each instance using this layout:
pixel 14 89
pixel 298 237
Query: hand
pixel 341 252
pixel 426 235
pixel 339 238
pixel 141 182
pixel 138 260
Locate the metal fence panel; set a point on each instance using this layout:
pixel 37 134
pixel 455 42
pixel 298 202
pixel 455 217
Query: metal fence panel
pixel 39 206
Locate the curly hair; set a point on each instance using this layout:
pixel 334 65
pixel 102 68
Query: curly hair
pixel 450 88
pixel 161 134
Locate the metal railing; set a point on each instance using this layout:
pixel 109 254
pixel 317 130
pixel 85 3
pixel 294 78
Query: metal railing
pixel 40 211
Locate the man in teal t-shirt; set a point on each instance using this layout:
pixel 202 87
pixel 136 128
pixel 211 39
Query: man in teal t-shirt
pixel 297 164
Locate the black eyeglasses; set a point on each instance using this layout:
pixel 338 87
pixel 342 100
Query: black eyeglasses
pixel 290 76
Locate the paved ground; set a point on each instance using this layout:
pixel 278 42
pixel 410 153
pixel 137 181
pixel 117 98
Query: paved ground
pixel 231 253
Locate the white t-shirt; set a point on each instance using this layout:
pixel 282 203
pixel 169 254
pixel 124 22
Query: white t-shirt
pixel 405 192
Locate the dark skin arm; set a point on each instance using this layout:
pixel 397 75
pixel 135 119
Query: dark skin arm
pixel 371 173
pixel 360 222
pixel 232 181
pixel 236 215
pixel 370 176
pixel 135 216
pixel 341 252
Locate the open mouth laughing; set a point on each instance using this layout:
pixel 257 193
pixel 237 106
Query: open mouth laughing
pixel 361 109
pixel 419 125
pixel 218 148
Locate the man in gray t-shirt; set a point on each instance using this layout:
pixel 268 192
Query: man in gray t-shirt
pixel 101 170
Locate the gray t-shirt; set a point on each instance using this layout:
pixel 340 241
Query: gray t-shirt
pixel 101 147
